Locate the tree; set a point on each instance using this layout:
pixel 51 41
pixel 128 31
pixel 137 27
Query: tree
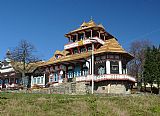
pixel 148 68
pixel 152 67
pixel 158 76
pixel 23 53
pixel 135 67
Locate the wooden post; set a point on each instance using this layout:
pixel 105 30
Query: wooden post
pixel 91 33
pixel 69 38
pixel 84 35
pixel 76 37
pixel 71 51
pixel 104 37
pixel 58 73
pixel 99 34
pixel 66 72
pixel 14 79
pixel 78 49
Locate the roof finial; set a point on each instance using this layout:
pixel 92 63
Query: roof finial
pixel 91 18
pixel 8 53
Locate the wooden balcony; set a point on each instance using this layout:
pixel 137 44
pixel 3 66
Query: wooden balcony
pixel 83 42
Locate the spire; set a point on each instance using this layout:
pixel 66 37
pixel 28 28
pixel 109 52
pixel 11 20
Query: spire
pixel 91 18
pixel 8 54
pixel 91 22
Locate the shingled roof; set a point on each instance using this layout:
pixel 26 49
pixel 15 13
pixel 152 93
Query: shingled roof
pixel 110 46
pixel 87 25
pixel 18 66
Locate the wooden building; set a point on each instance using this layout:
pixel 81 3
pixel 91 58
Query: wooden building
pixel 75 61
pixel 11 72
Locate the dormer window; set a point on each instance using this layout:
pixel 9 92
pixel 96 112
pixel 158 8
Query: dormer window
pixel 57 56
pixel 89 48
pixel 83 50
pixel 75 51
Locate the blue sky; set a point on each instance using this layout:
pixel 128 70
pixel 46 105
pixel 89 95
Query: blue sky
pixel 44 22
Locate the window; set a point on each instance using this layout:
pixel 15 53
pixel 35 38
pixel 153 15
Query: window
pixel 101 70
pixel 103 88
pixel 83 50
pixel 57 56
pixel 55 77
pixel 103 57
pixel 42 79
pixel 116 56
pixel 38 80
pixel 114 67
pixel 89 48
pixel 75 51
pixel 111 56
pixel 51 68
pixel 97 58
pixel 34 81
pixel 51 79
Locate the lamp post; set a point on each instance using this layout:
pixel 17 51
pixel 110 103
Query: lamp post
pixel 93 41
pixel 92 67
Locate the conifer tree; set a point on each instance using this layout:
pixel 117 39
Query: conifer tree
pixel 152 67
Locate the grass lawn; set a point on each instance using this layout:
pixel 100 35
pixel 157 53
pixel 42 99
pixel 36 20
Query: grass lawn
pixel 18 104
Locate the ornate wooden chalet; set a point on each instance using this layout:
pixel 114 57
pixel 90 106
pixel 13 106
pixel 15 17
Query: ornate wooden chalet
pixel 74 61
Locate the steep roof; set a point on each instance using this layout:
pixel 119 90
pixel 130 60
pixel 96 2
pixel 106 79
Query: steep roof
pixel 87 25
pixel 111 45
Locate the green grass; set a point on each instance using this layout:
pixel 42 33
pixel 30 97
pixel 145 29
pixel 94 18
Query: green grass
pixel 18 104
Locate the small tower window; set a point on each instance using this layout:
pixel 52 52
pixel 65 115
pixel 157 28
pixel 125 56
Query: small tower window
pixel 89 48
pixel 57 56
pixel 75 51
pixel 83 50
pixel 97 58
pixel 116 56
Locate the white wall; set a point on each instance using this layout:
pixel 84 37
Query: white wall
pixel 88 64
pixel 41 82
pixel 120 67
pixel 107 66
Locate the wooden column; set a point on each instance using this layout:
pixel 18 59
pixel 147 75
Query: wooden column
pixel 107 67
pixel 78 49
pixel 69 38
pixel 99 34
pixel 71 51
pixel 66 72
pixel 14 79
pixel 104 37
pixel 58 73
pixel 120 67
pixel 76 37
pixel 91 34
pixel 84 35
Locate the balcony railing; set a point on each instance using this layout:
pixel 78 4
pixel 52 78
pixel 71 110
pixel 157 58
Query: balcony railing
pixel 106 77
pixel 83 42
